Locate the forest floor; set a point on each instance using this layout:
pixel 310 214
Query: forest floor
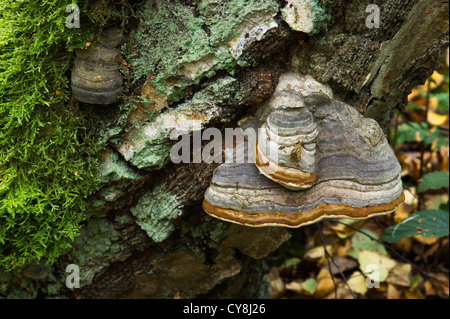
pixel 352 259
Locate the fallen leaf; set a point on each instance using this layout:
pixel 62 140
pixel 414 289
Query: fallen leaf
pixel 310 285
pixel 402 212
pixel 324 287
pixel 426 241
pixel 400 275
pixel 295 286
pixel 276 284
pixel 404 244
pixel 441 286
pixel 342 293
pixel 435 118
pixel 307 287
pixel 357 283
pixel 344 263
pixel 435 201
pixel 341 230
pixel 361 241
pixel 317 252
pixel 342 250
pixel 416 294
pixel 393 292
pixel 375 265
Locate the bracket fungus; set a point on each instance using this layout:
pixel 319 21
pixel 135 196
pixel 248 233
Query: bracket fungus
pixel 331 162
pixel 96 77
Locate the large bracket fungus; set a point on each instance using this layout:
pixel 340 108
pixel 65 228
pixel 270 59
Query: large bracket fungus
pixel 319 158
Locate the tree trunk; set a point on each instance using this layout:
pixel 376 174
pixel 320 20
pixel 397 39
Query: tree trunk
pixel 146 234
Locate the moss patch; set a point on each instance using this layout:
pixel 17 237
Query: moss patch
pixel 46 167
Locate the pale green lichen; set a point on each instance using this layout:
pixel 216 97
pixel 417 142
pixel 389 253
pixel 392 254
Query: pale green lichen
pixel 222 18
pixel 151 143
pixel 115 169
pixel 179 45
pixel 95 249
pixel 155 213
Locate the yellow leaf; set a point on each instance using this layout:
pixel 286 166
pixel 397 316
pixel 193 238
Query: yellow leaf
pixel 323 273
pixel 437 79
pixel 427 240
pixel 435 118
pixel 324 287
pixel 357 283
pixel 402 212
pixel 375 265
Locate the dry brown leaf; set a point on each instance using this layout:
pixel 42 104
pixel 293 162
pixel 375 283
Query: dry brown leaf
pixel 393 292
pixel 404 244
pixel 276 284
pixel 295 286
pixel 344 263
pixel 343 249
pixel 400 275
pixel 342 293
pixel 442 286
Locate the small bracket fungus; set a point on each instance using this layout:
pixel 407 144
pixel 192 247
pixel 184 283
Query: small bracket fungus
pixel 96 77
pixel 286 148
pixel 325 160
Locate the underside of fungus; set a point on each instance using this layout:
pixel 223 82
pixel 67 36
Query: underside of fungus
pixel 315 158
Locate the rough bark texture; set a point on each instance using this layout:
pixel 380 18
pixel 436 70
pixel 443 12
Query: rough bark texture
pixel 146 235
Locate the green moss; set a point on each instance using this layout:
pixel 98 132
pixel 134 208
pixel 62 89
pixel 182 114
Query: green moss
pixel 155 213
pixel 48 154
pixel 45 170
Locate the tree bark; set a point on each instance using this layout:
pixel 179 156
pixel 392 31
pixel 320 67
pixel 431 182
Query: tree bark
pixel 146 235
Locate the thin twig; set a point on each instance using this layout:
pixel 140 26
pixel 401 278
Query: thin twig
pixel 319 226
pixel 423 272
pixel 329 257
pixel 422 143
